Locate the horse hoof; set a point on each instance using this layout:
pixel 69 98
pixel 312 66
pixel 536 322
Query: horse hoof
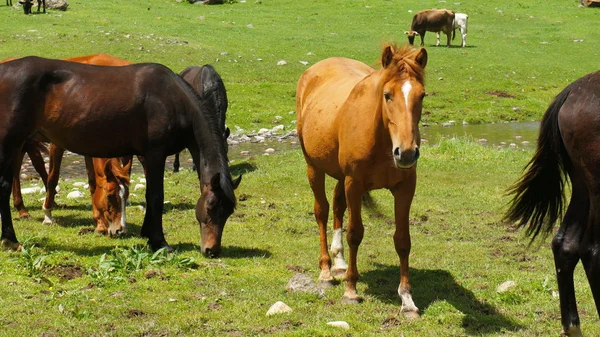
pixel 9 245
pixel 351 300
pixel 326 284
pixel 24 215
pixel 339 274
pixel 47 222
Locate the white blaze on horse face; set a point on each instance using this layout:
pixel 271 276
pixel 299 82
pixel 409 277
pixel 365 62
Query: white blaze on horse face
pixel 406 88
pixel 123 204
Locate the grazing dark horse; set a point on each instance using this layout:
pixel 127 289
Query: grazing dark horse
pixel 142 109
pixel 27 4
pixel 209 85
pixel 568 145
pixel 361 126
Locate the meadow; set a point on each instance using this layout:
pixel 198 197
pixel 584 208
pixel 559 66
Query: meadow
pixel 519 55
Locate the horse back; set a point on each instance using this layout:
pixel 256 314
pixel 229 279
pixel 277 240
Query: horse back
pixel 320 99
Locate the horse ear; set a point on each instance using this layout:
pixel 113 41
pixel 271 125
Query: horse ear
pixel 421 58
pixel 236 182
pixel 108 169
pixel 387 57
pixel 226 133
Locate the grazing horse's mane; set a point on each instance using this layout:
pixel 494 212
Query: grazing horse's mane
pixel 403 61
pixel 209 115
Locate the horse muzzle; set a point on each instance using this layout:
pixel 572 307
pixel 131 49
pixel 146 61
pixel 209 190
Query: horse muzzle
pixel 406 159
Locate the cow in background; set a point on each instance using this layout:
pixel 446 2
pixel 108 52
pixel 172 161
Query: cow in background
pixel 431 20
pixel 27 4
pixel 460 22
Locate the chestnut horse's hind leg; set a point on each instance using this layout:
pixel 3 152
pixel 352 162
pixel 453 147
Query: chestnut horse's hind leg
pixel 403 194
pixel 16 190
pixel 337 245
pixel 316 180
pixel 152 227
pixel 565 247
pixel 56 155
pixel 354 193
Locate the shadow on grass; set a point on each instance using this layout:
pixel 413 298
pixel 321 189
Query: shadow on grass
pixel 429 286
pixel 241 168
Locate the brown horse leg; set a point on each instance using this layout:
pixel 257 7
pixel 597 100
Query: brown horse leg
pixel 565 247
pixel 55 154
pixel 337 246
pixel 316 180
pixel 354 193
pixel 7 165
pixel 152 227
pixel 403 194
pixel 176 163
pixel 590 256
pixel 16 189
pixel 101 227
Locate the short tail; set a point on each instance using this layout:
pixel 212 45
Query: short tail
pixel 538 198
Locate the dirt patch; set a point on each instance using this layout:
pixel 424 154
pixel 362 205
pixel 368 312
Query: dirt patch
pixel 132 313
pixel 498 93
pixel 390 322
pixel 66 272
pixel 296 269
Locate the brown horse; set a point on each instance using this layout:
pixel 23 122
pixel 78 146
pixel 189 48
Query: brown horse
pixel 360 126
pixel 145 108
pixel 568 145
pixel 108 207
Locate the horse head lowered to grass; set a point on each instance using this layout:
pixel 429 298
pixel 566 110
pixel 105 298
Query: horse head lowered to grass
pixel 145 108
pixel 361 127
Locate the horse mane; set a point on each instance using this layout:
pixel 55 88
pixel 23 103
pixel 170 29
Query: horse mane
pixel 208 113
pixel 404 61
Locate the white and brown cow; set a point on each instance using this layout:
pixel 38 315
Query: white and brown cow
pixel 460 22
pixel 431 20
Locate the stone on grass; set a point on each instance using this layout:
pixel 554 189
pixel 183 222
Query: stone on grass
pixel 75 195
pixel 339 324
pixel 301 283
pixel 505 286
pixel 279 308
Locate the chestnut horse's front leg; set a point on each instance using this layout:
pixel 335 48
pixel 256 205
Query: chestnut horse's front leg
pixel 403 194
pixel 354 193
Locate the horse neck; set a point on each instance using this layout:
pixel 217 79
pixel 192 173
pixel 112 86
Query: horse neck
pixel 211 154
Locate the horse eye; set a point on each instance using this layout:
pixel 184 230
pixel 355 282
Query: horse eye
pixel 387 96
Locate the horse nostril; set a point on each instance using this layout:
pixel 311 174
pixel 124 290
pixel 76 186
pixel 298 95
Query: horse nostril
pixel 417 153
pixel 397 153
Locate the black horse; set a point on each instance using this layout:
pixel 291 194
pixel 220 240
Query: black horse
pixel 143 109
pixel 568 145
pixel 209 85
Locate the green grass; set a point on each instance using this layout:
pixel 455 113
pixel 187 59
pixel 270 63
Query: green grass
pixel 95 286
pixel 65 285
pixel 518 49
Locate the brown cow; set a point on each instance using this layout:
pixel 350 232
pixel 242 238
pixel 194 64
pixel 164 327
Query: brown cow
pixel 431 20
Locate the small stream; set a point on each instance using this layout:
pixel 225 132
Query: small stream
pixel 507 135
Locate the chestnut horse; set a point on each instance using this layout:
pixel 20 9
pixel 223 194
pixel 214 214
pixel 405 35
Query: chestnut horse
pixel 146 108
pixel 568 145
pixel 360 126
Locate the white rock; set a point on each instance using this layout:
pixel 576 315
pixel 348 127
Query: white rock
pixel 139 187
pixel 279 127
pixel 244 153
pixel 79 184
pixel 30 190
pixel 263 131
pixel 505 286
pixel 279 308
pixel 270 150
pixel 75 195
pixel 143 180
pixel 304 62
pixel 339 324
pixel 281 63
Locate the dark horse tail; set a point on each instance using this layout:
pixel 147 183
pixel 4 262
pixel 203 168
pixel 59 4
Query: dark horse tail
pixel 538 198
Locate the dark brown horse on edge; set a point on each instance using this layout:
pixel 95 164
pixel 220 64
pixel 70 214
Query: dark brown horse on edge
pixel 361 126
pixel 143 109
pixel 568 145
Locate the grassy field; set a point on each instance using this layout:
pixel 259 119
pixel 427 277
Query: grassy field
pixel 519 55
pixel 63 285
